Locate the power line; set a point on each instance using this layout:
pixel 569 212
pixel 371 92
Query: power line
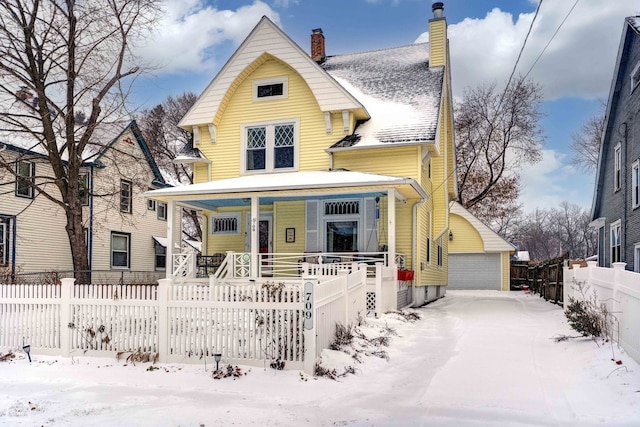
pixel 520 54
pixel 552 37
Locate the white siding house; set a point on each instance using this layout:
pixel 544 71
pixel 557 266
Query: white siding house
pixel 120 224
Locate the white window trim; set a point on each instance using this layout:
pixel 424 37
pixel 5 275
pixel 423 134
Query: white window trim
pixel 359 218
pixel 271 81
pixel 617 167
pixel 32 167
pixel 162 211
pixel 213 217
pixel 636 258
pixel 119 267
pixel 129 196
pixel 270 125
pixel 635 184
pixel 616 224
pixel 4 232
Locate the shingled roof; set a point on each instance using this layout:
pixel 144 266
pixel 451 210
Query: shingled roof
pixel 399 90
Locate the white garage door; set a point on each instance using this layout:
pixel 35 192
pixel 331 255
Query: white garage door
pixel 474 271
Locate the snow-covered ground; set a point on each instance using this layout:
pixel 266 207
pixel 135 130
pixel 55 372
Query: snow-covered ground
pixel 475 358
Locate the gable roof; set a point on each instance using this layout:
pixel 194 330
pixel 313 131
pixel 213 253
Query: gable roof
pixel 630 31
pixel 398 88
pixel 491 240
pixel 93 156
pixel 267 38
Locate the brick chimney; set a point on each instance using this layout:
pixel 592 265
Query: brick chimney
pixel 317 45
pixel 438 48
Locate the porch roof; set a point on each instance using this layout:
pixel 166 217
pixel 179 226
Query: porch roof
pixel 290 185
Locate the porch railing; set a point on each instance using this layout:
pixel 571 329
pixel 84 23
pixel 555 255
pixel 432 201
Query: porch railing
pixel 238 264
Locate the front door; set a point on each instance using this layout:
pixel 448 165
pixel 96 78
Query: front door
pixel 265 234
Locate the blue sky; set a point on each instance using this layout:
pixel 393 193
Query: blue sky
pixel 196 38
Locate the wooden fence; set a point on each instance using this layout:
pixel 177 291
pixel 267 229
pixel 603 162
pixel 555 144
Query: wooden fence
pixel 544 278
pixel 251 323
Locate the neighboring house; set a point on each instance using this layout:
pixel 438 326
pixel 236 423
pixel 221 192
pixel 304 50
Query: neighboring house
pixel 616 204
pixel 478 257
pixel 120 223
pixel 326 158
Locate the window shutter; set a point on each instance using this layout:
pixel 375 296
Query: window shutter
pixel 370 226
pixel 312 234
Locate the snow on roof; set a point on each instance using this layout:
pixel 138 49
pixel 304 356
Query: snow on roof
pixel 398 89
pixel 289 181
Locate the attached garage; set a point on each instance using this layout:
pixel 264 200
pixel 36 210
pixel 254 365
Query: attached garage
pixel 478 257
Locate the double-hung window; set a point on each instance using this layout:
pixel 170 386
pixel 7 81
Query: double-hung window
pixel 617 165
pixel 120 250
pixel 126 196
pixel 160 256
pixel 25 172
pixel 615 229
pixel 270 147
pixel 635 184
pixel 83 191
pixel 162 211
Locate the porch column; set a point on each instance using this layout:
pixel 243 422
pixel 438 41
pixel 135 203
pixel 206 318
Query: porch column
pixel 171 215
pixel 255 235
pixel 391 226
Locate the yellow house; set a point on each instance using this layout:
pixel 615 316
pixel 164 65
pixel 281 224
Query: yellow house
pixel 478 257
pixel 313 159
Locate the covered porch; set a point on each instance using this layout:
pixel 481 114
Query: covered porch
pixel 285 226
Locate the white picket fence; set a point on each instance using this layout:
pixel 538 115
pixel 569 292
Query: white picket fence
pixel 619 290
pixel 255 323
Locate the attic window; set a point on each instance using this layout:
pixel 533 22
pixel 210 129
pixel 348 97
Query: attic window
pixel 270 89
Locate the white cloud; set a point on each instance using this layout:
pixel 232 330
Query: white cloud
pixel 188 35
pixel 285 3
pixel 550 182
pixel 578 62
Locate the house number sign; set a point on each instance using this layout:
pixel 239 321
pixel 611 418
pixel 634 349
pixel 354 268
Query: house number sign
pixel 308 305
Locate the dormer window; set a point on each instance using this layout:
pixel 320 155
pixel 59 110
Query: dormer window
pixel 267 89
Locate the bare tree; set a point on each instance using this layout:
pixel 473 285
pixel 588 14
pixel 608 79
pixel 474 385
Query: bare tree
pixel 65 69
pixel 549 233
pixel 496 133
pixel 167 141
pixel 585 144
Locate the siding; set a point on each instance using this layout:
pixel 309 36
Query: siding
pixel 126 161
pixel 465 237
pixel 267 38
pixel 42 243
pixel 623 127
pixel 226 153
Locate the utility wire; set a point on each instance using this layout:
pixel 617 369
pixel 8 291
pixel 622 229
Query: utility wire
pixel 513 71
pixel 552 37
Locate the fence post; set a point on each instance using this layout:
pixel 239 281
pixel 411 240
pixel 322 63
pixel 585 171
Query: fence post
pixel 618 268
pixel 567 283
pixel 344 275
pixel 309 285
pixel 379 288
pixel 65 315
pixel 163 319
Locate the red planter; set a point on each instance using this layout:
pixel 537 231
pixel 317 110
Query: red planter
pixel 405 275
